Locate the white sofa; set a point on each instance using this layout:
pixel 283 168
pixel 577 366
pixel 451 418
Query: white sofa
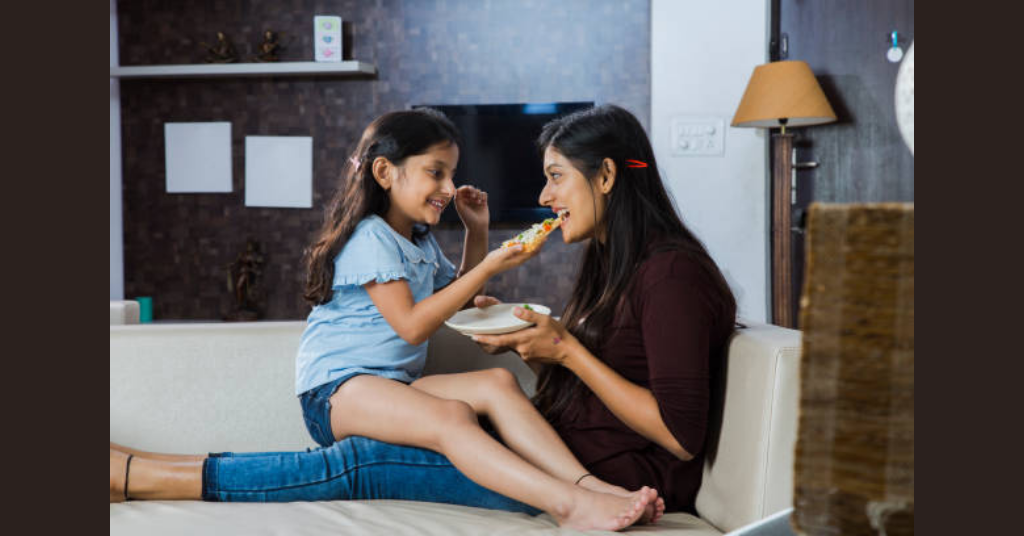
pixel 206 387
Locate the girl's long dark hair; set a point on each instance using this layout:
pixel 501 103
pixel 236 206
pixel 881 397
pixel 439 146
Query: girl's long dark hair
pixel 395 136
pixel 639 213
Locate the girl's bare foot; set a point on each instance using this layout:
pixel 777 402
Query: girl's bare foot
pixel 602 511
pixel 118 460
pixel 652 512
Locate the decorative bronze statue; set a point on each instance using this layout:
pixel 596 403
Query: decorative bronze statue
pixel 270 46
pixel 222 52
pixel 243 280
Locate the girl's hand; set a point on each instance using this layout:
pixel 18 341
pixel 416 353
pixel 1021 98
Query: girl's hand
pixel 547 342
pixel 471 204
pixel 483 301
pixel 503 259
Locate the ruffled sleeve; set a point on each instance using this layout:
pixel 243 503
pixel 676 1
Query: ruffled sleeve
pixel 371 254
pixel 446 271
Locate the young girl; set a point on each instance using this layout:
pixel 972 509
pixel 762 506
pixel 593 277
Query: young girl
pixel 381 287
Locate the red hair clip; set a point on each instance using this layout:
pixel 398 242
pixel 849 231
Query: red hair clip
pixel 635 164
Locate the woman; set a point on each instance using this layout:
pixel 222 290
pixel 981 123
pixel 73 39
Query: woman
pixel 625 378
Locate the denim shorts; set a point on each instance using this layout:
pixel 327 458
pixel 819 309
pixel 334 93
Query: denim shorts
pixel 316 409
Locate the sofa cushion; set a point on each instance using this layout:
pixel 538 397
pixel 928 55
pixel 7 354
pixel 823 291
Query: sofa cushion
pixel 191 388
pixel 748 473
pixel 209 387
pixel 391 518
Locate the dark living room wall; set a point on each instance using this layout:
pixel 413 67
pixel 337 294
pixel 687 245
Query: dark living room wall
pixel 177 246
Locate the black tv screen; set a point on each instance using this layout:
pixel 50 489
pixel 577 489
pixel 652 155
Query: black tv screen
pixel 499 155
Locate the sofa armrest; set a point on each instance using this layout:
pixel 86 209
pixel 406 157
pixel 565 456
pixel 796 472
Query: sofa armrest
pixel 124 312
pixel 748 471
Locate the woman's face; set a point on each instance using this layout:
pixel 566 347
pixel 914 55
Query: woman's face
pixel 568 188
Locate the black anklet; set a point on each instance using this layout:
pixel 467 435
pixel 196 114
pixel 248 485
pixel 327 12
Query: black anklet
pixel 127 466
pixel 578 480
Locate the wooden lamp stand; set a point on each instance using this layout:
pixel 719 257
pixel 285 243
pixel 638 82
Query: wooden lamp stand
pixel 782 242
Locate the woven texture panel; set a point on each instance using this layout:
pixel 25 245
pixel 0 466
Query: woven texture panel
pixel 854 470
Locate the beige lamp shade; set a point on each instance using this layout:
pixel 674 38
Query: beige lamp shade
pixel 783 90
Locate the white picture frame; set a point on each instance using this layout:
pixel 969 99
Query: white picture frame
pixel 197 157
pixel 279 171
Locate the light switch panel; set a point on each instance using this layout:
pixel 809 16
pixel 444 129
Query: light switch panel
pixel 698 136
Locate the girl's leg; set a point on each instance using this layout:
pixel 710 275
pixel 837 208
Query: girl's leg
pixel 393 412
pixel 496 394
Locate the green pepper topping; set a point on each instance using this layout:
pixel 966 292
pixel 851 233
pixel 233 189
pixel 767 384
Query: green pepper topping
pixel 527 307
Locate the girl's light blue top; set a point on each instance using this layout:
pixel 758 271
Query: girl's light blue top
pixel 348 334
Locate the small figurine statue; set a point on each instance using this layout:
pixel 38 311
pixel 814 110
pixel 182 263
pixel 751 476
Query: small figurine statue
pixel 222 52
pixel 243 281
pixel 270 46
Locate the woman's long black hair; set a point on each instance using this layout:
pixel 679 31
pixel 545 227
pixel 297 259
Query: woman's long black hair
pixel 395 136
pixel 639 213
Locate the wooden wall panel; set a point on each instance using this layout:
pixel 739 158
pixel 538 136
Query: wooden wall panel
pixel 861 157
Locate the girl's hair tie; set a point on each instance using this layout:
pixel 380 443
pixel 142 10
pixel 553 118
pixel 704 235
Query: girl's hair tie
pixel 354 161
pixel 636 164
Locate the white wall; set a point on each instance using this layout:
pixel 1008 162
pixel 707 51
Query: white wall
pixel 702 55
pixel 116 234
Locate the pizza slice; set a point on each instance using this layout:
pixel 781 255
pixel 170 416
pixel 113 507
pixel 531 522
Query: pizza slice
pixel 533 237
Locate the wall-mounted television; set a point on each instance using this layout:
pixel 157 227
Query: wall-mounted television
pixel 499 155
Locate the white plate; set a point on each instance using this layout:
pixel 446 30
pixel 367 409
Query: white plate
pixel 492 320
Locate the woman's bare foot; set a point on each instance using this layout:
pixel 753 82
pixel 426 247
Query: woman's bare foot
pixel 118 461
pixel 659 510
pixel 603 511
pixel 652 512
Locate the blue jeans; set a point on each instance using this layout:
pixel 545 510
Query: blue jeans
pixel 355 468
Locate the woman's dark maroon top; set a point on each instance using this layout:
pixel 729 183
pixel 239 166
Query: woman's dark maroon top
pixel 667 337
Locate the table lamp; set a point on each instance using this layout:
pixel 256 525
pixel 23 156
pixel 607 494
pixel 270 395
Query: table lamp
pixel 781 94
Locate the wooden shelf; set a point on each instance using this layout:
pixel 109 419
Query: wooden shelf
pixel 226 70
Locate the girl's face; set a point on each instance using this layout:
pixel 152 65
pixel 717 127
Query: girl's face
pixel 567 188
pixel 421 188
